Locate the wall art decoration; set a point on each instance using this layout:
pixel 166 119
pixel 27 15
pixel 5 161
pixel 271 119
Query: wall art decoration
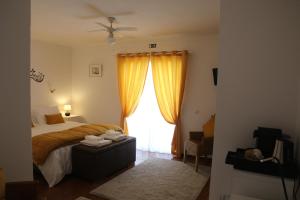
pixel 96 70
pixel 36 76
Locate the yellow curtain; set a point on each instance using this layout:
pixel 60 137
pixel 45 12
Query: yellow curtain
pixel 169 72
pixel 132 71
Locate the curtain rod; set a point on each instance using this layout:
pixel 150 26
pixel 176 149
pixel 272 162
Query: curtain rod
pixel 154 53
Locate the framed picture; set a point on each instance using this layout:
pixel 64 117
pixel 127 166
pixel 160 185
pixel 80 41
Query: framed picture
pixel 95 70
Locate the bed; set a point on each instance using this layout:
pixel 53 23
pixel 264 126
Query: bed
pixel 56 163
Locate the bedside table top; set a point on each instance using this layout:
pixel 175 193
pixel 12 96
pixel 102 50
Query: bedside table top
pixel 71 116
pixel 75 118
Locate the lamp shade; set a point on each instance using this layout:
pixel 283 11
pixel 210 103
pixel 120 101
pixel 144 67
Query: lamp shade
pixel 67 107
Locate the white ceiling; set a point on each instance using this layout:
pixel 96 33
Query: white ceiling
pixel 60 21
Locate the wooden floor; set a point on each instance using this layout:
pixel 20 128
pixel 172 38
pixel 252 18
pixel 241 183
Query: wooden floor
pixel 72 187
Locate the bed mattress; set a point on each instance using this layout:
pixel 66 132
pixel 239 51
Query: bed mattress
pixel 59 162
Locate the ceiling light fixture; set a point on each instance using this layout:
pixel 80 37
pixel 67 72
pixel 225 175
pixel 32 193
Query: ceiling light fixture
pixel 111 39
pixel 111 30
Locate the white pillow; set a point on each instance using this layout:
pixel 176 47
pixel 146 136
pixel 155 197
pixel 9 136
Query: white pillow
pixel 38 114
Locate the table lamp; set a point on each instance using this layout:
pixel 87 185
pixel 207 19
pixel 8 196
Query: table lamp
pixel 67 108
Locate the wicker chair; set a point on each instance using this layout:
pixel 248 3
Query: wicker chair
pixel 203 141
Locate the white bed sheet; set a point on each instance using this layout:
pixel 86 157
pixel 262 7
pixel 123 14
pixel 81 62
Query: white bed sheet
pixel 59 162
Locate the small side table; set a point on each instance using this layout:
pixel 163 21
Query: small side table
pixel 75 118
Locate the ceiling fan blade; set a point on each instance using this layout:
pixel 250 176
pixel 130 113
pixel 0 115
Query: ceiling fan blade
pixel 118 34
pixel 126 29
pixel 94 9
pixel 89 17
pixel 122 13
pixel 101 24
pixel 97 30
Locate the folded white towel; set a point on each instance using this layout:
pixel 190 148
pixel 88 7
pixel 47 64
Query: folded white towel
pixel 96 143
pixel 93 138
pixel 114 137
pixel 113 132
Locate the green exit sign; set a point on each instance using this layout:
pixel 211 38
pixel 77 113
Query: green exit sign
pixel 152 46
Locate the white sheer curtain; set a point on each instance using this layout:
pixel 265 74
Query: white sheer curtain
pixel 152 132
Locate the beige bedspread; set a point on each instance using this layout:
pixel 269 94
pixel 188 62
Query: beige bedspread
pixel 43 145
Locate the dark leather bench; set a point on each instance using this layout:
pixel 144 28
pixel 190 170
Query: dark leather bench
pixel 95 163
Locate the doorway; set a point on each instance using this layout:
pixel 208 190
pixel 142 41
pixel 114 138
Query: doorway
pixel 147 124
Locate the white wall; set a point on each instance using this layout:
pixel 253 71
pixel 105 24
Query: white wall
pixel 15 139
pixel 259 58
pixel 97 99
pixel 55 62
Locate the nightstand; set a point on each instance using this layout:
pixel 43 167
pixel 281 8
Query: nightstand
pixel 75 118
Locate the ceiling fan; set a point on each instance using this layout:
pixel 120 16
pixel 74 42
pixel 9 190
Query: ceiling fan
pixel 97 13
pixel 111 30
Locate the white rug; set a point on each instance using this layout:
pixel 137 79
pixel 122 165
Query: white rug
pixel 155 179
